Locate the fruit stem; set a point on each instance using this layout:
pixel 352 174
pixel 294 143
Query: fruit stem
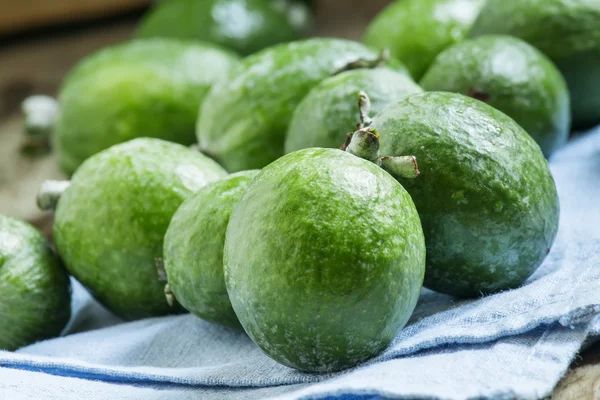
pixel 50 192
pixel 401 166
pixel 365 143
pixel 41 114
pixel 382 58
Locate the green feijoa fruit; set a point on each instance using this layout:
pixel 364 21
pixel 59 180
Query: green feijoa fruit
pixel 193 249
pixel 243 121
pixel 112 216
pixel 324 258
pixel 149 88
pixel 35 292
pixel 486 198
pixel 325 116
pixel 244 26
pixel 513 77
pixel 567 32
pixel 415 31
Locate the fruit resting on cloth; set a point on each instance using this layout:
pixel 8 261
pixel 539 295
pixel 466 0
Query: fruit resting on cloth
pixel 324 257
pixel 35 291
pixel 111 219
pixel 193 249
pixel 486 198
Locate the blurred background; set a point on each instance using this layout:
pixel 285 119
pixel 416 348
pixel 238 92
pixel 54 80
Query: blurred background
pixel 40 41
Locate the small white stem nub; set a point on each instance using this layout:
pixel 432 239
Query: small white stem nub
pixel 169 296
pixel 50 193
pixel 41 115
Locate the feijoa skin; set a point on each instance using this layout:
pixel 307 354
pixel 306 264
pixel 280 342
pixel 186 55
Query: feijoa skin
pixel 149 88
pixel 567 32
pixel 35 291
pixel 324 259
pixel 512 76
pixel 193 249
pixel 243 122
pixel 111 220
pixel 328 112
pixel 415 31
pixel 485 195
pixel 244 26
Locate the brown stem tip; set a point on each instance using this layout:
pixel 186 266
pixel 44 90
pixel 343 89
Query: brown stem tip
pixel 401 166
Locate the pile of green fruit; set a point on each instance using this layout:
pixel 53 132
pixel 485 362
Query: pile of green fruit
pixel 327 187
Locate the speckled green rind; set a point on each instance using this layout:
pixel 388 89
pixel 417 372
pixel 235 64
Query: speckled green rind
pixel 567 32
pixel 244 26
pixel 415 31
pixel 243 122
pixel 193 249
pixel 324 259
pixel 110 222
pixel 35 292
pixel 329 111
pixel 485 195
pixel 149 88
pixel 513 77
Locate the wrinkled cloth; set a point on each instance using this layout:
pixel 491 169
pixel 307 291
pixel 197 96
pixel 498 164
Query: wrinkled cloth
pixel 514 344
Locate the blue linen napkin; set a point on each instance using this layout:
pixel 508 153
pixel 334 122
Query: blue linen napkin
pixel 515 344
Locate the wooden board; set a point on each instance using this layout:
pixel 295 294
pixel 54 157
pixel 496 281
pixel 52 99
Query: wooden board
pixel 19 15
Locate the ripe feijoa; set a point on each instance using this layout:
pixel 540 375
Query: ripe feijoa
pixel 245 26
pixel 567 32
pixel 35 292
pixel 511 76
pixel 328 112
pixel 485 195
pixel 243 121
pixel 142 88
pixel 324 257
pixel 111 219
pixel 193 249
pixel 415 31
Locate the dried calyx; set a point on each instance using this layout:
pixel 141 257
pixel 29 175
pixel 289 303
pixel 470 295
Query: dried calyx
pixel 364 143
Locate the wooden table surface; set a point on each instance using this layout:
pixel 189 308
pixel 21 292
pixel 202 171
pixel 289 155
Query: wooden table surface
pixel 37 64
